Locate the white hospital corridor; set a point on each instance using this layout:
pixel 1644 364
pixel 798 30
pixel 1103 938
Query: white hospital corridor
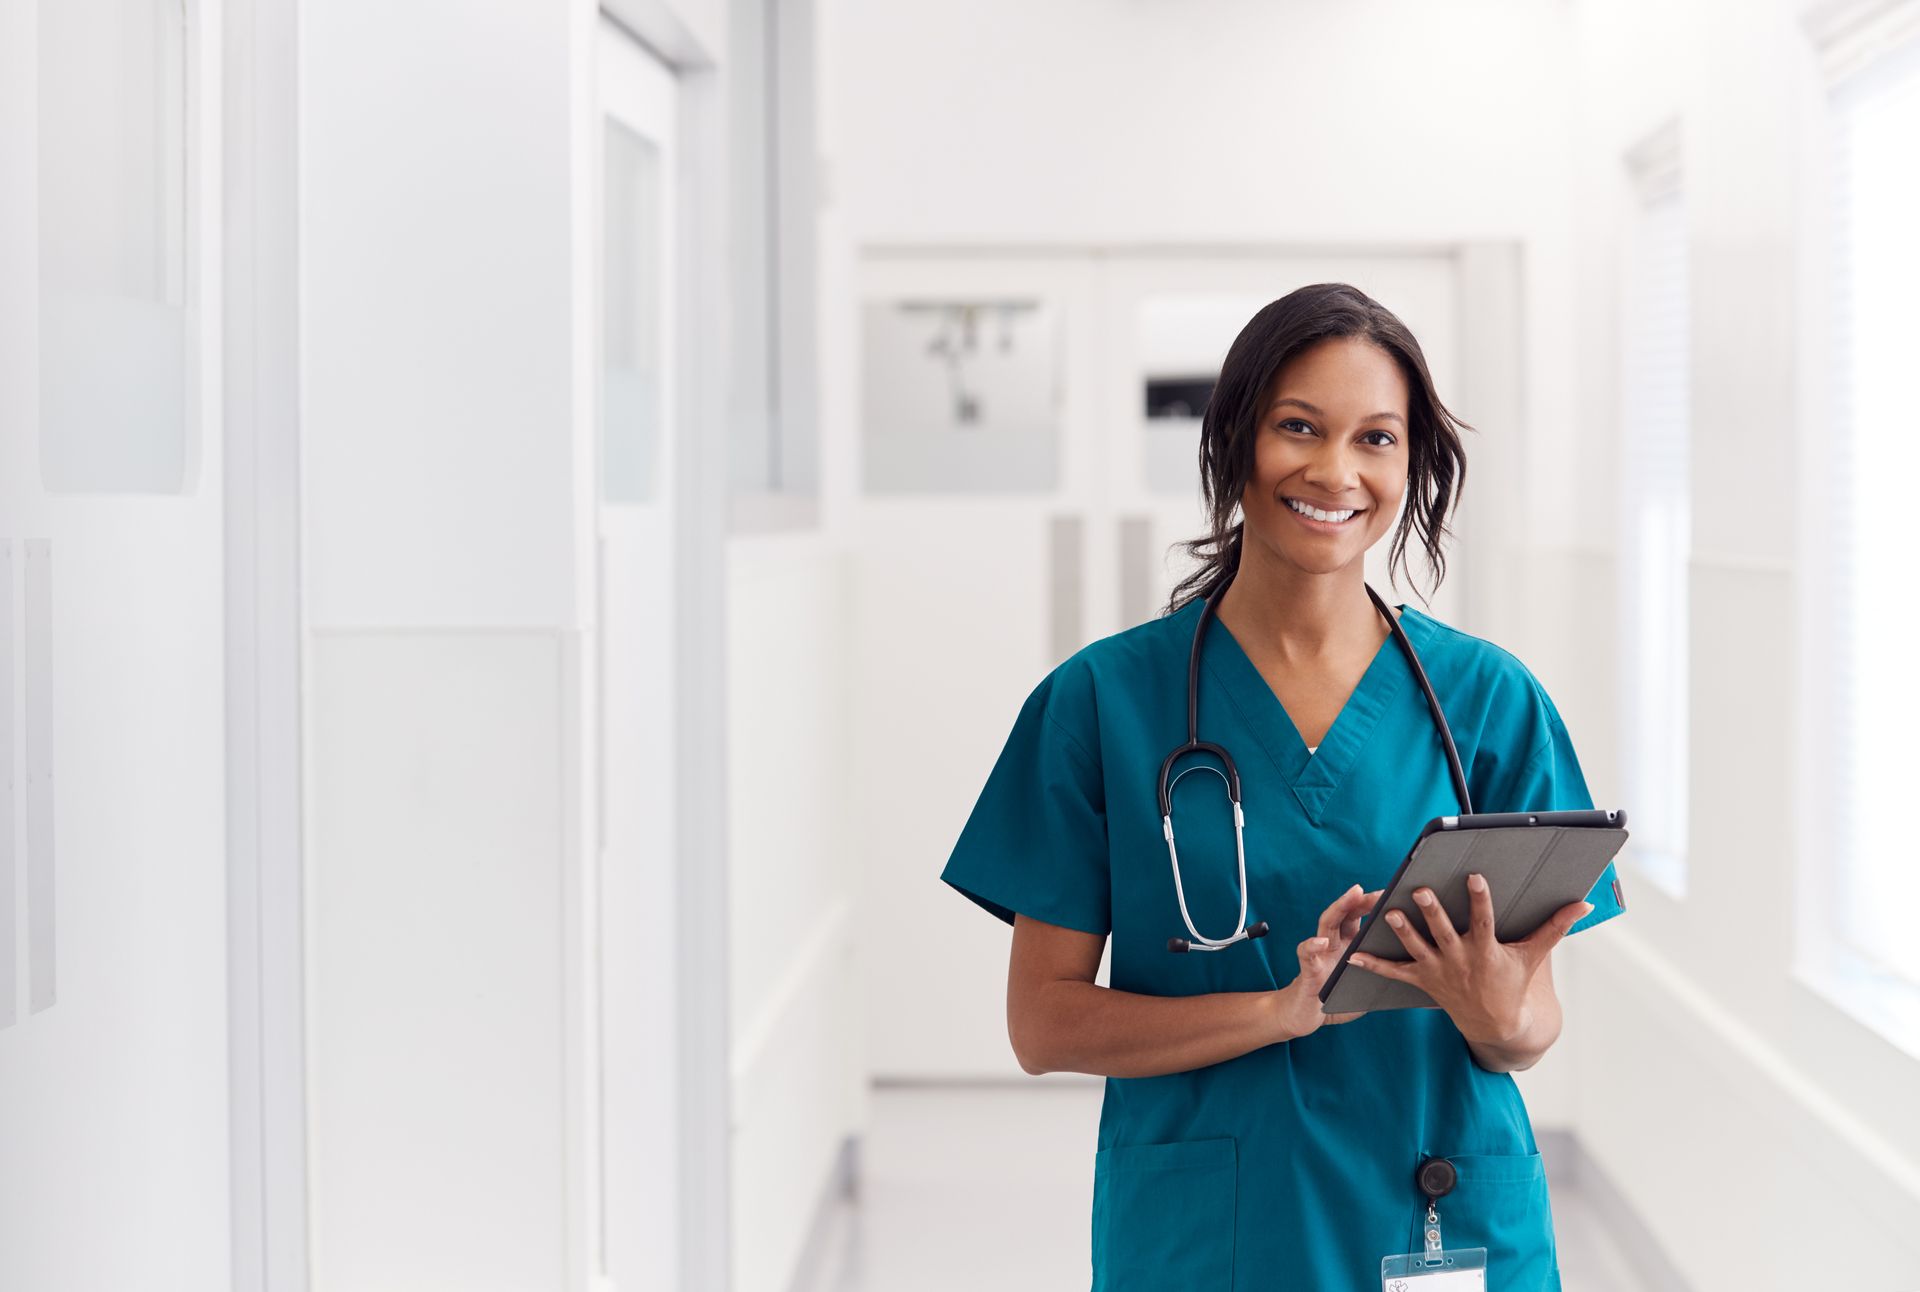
pixel 905 646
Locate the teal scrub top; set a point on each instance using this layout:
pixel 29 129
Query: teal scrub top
pixel 1290 1167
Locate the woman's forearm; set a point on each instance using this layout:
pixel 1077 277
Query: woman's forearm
pixel 1073 1026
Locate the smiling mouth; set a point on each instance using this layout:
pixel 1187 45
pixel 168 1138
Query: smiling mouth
pixel 1319 518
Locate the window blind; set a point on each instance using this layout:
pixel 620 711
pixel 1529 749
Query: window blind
pixel 1656 517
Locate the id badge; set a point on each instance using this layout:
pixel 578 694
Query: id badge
pixel 1464 1269
pixel 1435 1269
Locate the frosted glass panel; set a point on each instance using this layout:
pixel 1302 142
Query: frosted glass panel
pixel 114 349
pixel 631 300
pixel 1181 341
pixel 961 396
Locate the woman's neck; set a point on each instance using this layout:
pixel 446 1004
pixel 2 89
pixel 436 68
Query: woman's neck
pixel 1299 616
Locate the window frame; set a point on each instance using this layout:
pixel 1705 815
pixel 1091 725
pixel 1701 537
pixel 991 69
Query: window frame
pixel 1854 44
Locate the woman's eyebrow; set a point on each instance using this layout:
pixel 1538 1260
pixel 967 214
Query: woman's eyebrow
pixel 1301 403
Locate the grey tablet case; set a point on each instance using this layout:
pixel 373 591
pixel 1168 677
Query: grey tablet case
pixel 1535 863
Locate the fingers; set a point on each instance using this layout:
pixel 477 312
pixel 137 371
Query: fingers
pixel 1337 927
pixel 1439 923
pixel 1480 915
pixel 1351 925
pixel 1315 957
pixel 1333 916
pixel 1411 938
pixel 1393 969
pixel 1545 938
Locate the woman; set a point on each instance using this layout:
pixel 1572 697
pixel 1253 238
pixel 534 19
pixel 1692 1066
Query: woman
pixel 1247 1140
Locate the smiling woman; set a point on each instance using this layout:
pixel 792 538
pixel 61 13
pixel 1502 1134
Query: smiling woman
pixel 1323 382
pixel 1248 1138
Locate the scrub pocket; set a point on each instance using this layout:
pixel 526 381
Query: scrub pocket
pixel 1499 1202
pixel 1163 1216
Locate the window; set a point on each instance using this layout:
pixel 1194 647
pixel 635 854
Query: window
pixel 960 396
pixel 117 298
pixel 775 469
pixel 1655 514
pixel 1860 679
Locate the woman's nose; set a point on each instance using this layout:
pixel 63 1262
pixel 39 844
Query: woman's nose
pixel 1332 468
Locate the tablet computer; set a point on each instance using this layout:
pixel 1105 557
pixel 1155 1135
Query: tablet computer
pixel 1535 863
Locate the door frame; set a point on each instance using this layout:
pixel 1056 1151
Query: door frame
pixel 702 1029
pixel 259 140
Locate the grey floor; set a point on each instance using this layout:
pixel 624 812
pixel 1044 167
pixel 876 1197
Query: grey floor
pixel 977 1187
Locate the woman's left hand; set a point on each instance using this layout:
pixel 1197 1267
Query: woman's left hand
pixel 1482 983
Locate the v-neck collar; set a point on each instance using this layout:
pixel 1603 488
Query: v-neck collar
pixel 1313 777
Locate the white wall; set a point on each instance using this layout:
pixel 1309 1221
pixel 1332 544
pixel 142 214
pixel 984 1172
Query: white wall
pixel 1229 123
pixel 443 426
pixel 1712 1085
pixel 439 1153
pixel 113 1074
pixel 438 294
pixel 798 1064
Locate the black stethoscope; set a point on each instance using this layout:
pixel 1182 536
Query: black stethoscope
pixel 1231 775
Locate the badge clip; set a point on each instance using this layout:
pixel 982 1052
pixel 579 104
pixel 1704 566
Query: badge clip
pixel 1433 1268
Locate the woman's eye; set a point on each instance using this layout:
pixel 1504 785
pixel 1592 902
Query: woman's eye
pixel 1386 437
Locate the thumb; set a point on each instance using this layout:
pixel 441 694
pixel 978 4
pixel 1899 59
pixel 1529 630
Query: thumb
pixel 1548 935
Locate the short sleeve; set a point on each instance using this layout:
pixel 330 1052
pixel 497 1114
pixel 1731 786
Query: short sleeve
pixel 1551 781
pixel 1036 842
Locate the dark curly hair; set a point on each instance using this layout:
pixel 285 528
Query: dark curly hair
pixel 1231 425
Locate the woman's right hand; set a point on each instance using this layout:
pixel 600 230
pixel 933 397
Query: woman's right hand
pixel 1300 1013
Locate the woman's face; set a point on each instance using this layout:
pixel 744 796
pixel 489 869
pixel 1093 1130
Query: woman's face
pixel 1333 436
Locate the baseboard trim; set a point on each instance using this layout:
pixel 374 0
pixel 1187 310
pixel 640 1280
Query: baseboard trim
pixel 831 1212
pixel 1569 1164
pixel 1069 1080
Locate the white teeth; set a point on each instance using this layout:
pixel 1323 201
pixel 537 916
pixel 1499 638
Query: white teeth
pixel 1317 514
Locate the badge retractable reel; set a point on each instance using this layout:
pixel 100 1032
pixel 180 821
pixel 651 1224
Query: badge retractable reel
pixel 1434 1268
